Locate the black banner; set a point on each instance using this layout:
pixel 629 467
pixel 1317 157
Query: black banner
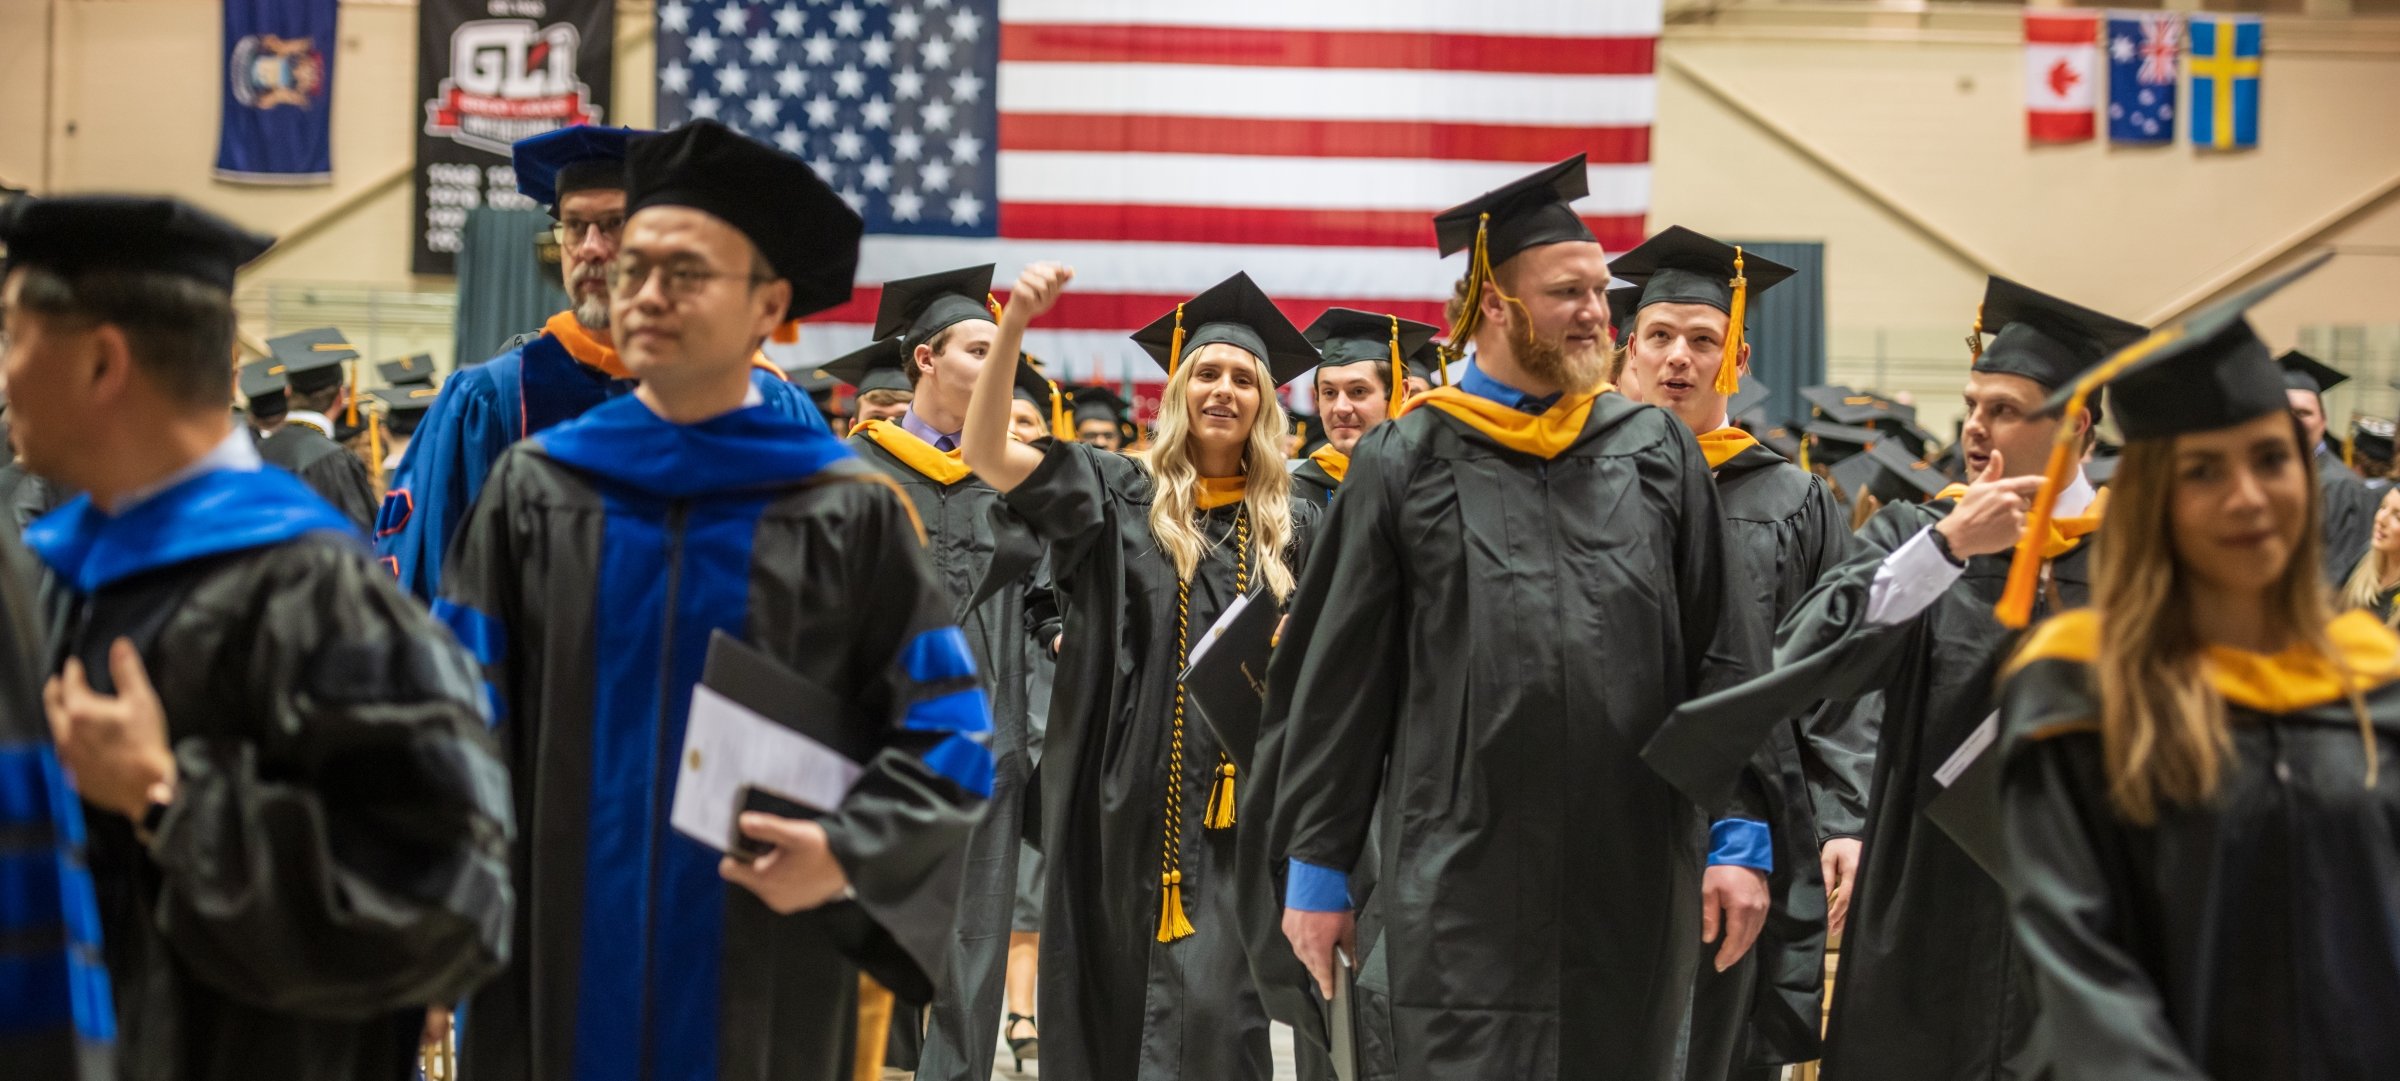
pixel 491 72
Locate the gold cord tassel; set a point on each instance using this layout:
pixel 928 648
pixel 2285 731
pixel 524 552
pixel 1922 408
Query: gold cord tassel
pixel 1975 337
pixel 1470 311
pixel 1172 923
pixel 1220 799
pixel 2350 450
pixel 1175 343
pixel 1061 428
pixel 992 302
pixel 1729 372
pixel 1399 373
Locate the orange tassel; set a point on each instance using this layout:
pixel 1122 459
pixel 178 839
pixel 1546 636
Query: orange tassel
pixel 1399 373
pixel 786 333
pixel 1220 800
pixel 1175 343
pixel 1729 372
pixel 1975 337
pixel 1060 428
pixel 1470 313
pixel 1172 923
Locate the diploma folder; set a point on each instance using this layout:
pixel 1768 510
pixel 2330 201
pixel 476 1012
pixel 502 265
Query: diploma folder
pixel 1226 679
pixel 760 736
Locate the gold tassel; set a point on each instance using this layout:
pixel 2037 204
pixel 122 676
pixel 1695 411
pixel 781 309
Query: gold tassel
pixel 1175 343
pixel 992 302
pixel 1219 815
pixel 1060 428
pixel 357 373
pixel 1399 373
pixel 375 448
pixel 1470 311
pixel 2350 450
pixel 1729 372
pixel 1172 923
pixel 1975 337
pixel 786 333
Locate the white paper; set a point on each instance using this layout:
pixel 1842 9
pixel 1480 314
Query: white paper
pixel 728 747
pixel 1217 629
pixel 1977 742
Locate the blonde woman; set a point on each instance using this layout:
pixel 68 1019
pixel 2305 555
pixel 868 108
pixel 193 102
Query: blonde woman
pixel 2375 583
pixel 2199 791
pixel 1142 964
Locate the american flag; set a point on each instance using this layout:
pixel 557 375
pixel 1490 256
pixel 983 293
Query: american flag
pixel 1159 147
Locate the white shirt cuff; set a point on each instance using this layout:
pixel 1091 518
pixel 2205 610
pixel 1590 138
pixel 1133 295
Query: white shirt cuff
pixel 1910 580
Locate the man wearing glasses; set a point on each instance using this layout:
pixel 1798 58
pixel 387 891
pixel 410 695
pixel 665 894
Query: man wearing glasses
pixel 542 379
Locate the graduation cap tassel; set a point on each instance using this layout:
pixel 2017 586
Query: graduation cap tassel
pixel 1220 799
pixel 1060 428
pixel 375 448
pixel 1175 344
pixel 1729 371
pixel 786 333
pixel 1470 311
pixel 1399 373
pixel 2025 567
pixel 1975 337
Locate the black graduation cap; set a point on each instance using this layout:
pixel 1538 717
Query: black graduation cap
pixel 1345 336
pixel 559 163
pixel 262 381
pixel 1889 471
pixel 1624 302
pixel 1781 440
pixel 1426 363
pixel 1752 398
pixel 881 365
pixel 1843 405
pixel 1236 312
pixel 2208 372
pixel 1527 212
pixel 1836 442
pixel 1047 396
pixel 1919 442
pixel 312 359
pixel 416 371
pixel 916 309
pixel 2373 437
pixel 2041 337
pixel 76 234
pixel 404 406
pixel 1952 462
pixel 808 234
pixel 2304 372
pixel 1681 266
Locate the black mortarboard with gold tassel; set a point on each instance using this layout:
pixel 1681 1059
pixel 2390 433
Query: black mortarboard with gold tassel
pixel 2208 372
pixel 1495 226
pixel 1235 312
pixel 1046 396
pixel 916 309
pixel 1681 266
pixel 1346 336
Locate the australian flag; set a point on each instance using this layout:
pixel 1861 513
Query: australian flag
pixel 277 124
pixel 893 102
pixel 2143 52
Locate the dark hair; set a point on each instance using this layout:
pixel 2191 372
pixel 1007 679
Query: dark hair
pixel 315 401
pixel 179 330
pixel 939 341
pixel 1381 368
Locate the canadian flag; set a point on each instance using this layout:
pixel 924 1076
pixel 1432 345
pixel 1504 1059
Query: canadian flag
pixel 2062 61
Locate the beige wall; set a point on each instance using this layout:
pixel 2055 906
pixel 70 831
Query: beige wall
pixel 1894 138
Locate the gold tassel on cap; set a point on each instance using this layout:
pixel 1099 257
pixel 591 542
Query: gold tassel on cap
pixel 1399 373
pixel 1975 337
pixel 1729 373
pixel 1061 428
pixel 1175 343
pixel 1470 311
pixel 2025 567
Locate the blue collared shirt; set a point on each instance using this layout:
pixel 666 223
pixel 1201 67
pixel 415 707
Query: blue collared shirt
pixel 915 425
pixel 1474 382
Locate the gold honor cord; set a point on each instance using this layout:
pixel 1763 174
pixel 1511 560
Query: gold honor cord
pixel 2025 567
pixel 1172 923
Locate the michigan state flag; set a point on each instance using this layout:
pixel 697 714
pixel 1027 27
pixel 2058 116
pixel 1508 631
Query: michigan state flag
pixel 277 125
pixel 2224 108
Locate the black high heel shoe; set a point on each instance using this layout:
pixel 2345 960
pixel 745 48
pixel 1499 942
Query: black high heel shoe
pixel 1023 1049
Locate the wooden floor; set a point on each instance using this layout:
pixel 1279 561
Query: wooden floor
pixel 1001 1071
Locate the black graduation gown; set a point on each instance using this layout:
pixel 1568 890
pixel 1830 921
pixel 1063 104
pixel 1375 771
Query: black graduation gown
pixel 56 1022
pixel 1783 529
pixel 2256 938
pixel 590 575
pixel 326 467
pixel 335 857
pixel 1116 1003
pixel 1486 639
pixel 969 542
pixel 1310 481
pixel 2385 601
pixel 1931 986
pixel 2349 517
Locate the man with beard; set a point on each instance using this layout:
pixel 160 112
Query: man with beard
pixel 2349 508
pixel 1489 544
pixel 1932 987
pixel 1360 384
pixel 576 173
pixel 1684 350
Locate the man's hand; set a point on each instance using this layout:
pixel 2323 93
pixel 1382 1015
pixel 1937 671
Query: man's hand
pixel 800 874
pixel 1991 515
pixel 1839 860
pixel 1314 935
pixel 115 746
pixel 1037 289
pixel 1735 899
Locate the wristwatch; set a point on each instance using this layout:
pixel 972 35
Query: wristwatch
pixel 1942 544
pixel 161 796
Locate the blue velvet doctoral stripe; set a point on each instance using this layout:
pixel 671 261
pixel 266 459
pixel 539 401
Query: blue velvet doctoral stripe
pixel 967 712
pixel 487 640
pixel 965 761
pixel 937 655
pixel 653 901
pixel 46 892
pixel 745 450
pixel 215 513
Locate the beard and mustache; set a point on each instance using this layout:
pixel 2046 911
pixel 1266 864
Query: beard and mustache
pixel 591 309
pixel 1548 359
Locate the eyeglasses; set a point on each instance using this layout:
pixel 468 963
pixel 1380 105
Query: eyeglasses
pixel 682 282
pixel 572 233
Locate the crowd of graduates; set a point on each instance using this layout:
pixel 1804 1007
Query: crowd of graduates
pixel 343 729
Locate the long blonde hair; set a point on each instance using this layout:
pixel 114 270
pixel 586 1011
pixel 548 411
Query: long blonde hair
pixel 1175 479
pixel 2163 731
pixel 2365 585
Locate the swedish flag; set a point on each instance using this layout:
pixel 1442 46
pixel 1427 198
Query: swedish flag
pixel 2224 108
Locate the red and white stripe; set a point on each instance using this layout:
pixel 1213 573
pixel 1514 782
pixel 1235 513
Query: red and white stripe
pixel 1159 148
pixel 2062 65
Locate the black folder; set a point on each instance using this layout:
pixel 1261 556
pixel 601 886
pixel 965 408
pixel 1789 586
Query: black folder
pixel 1228 687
